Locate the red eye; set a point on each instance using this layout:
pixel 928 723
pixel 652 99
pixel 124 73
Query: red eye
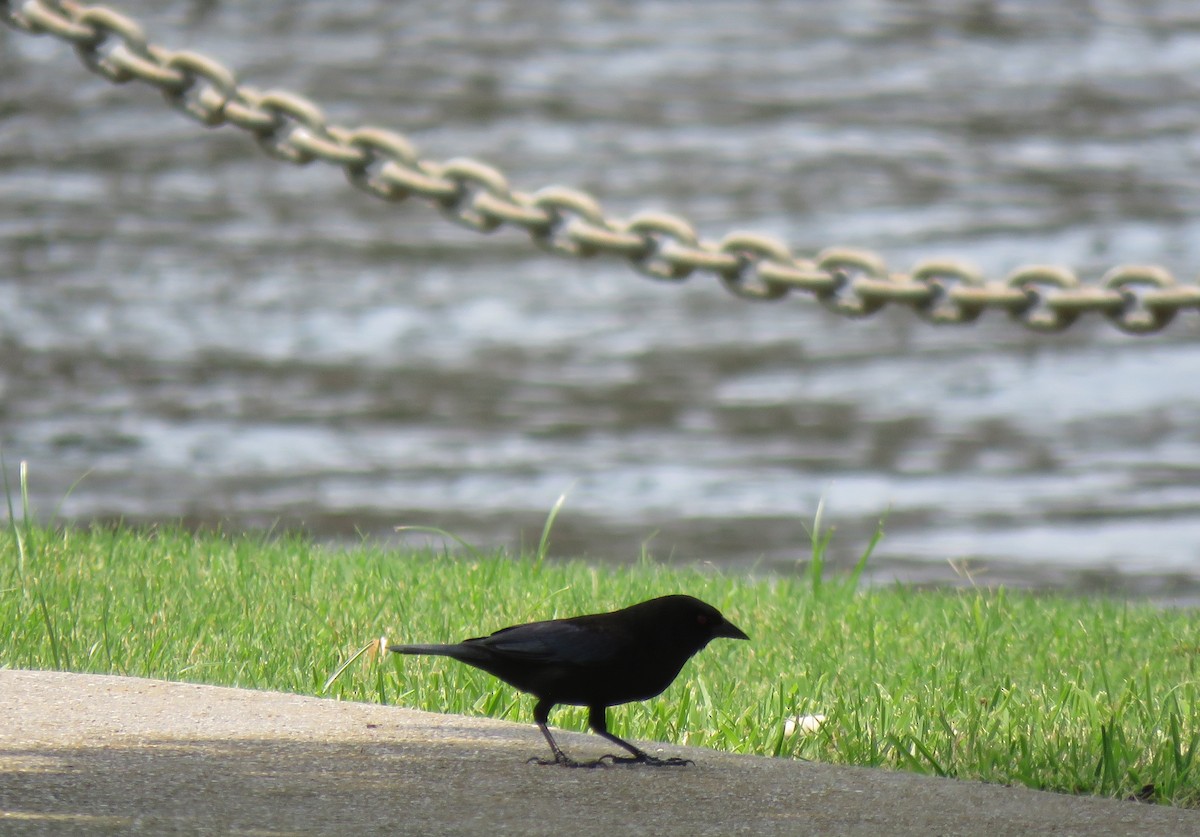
pixel 701 619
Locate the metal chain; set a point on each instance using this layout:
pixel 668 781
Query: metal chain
pixel 1138 299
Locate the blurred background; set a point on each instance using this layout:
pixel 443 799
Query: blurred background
pixel 191 331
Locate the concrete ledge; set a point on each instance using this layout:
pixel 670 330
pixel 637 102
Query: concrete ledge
pixel 88 754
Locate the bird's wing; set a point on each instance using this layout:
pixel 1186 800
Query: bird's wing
pixel 554 642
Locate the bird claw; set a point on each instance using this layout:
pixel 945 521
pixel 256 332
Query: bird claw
pixel 563 760
pixel 566 761
pixel 647 759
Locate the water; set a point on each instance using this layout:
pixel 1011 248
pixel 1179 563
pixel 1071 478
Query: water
pixel 192 331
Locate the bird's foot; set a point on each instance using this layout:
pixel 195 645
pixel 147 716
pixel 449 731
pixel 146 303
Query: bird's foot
pixel 647 759
pixel 563 760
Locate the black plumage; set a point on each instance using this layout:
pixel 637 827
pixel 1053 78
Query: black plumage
pixel 599 660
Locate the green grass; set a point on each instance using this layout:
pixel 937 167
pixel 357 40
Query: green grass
pixel 1078 695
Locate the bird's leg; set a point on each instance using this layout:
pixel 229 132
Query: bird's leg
pixel 598 720
pixel 541 715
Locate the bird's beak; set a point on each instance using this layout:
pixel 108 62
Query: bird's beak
pixel 730 630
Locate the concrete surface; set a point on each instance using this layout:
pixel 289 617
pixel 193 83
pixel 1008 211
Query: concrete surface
pixel 85 754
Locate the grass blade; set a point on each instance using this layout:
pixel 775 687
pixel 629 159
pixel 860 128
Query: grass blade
pixel 379 646
pixel 544 544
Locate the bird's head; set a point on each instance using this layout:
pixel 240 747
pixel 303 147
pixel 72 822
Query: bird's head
pixel 696 619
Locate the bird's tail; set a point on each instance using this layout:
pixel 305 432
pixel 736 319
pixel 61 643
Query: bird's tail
pixel 465 652
pixel 437 650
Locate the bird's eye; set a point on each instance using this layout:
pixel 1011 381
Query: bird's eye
pixel 701 619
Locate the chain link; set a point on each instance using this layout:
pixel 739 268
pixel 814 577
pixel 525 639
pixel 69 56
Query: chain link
pixel 1137 299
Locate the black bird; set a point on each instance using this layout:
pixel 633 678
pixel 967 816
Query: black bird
pixel 597 661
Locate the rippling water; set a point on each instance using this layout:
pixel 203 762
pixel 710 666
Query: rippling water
pixel 190 330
